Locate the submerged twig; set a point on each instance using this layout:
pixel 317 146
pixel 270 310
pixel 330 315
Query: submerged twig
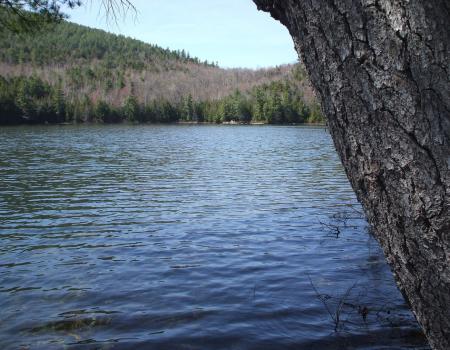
pixel 335 315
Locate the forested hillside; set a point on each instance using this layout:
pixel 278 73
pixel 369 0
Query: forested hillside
pixel 71 73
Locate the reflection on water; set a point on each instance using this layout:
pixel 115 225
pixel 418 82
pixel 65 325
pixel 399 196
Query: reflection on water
pixel 187 237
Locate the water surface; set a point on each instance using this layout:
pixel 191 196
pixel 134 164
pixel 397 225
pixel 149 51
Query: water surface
pixel 188 237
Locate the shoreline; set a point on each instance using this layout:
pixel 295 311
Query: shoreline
pixel 171 123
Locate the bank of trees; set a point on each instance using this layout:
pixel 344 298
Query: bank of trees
pixel 32 100
pixel 71 73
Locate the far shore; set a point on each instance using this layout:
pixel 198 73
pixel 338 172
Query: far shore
pixel 171 123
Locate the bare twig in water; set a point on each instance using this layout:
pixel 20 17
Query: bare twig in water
pixel 335 230
pixel 335 315
pixel 358 212
pixel 339 221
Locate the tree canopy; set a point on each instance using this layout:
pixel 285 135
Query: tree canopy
pixel 31 15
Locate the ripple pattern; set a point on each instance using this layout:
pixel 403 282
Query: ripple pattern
pixel 187 237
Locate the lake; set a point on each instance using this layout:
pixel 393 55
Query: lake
pixel 188 237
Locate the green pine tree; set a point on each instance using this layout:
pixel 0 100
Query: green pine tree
pixel 130 109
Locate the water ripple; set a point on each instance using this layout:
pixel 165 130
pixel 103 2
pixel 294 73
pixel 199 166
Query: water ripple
pixel 187 237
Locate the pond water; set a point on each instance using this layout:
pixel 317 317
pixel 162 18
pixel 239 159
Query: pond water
pixel 188 237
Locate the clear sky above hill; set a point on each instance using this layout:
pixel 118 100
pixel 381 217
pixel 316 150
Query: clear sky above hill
pixel 231 32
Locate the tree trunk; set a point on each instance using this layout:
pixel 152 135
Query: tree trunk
pixel 381 69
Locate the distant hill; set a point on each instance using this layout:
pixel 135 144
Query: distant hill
pixel 73 73
pixel 70 43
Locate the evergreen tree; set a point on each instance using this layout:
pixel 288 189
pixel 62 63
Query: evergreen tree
pixel 130 109
pixel 58 102
pixel 258 106
pixel 188 108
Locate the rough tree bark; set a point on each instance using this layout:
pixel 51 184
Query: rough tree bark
pixel 381 69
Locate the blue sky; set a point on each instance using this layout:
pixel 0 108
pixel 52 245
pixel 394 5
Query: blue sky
pixel 231 32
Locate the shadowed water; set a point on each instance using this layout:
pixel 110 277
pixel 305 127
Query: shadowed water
pixel 188 237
